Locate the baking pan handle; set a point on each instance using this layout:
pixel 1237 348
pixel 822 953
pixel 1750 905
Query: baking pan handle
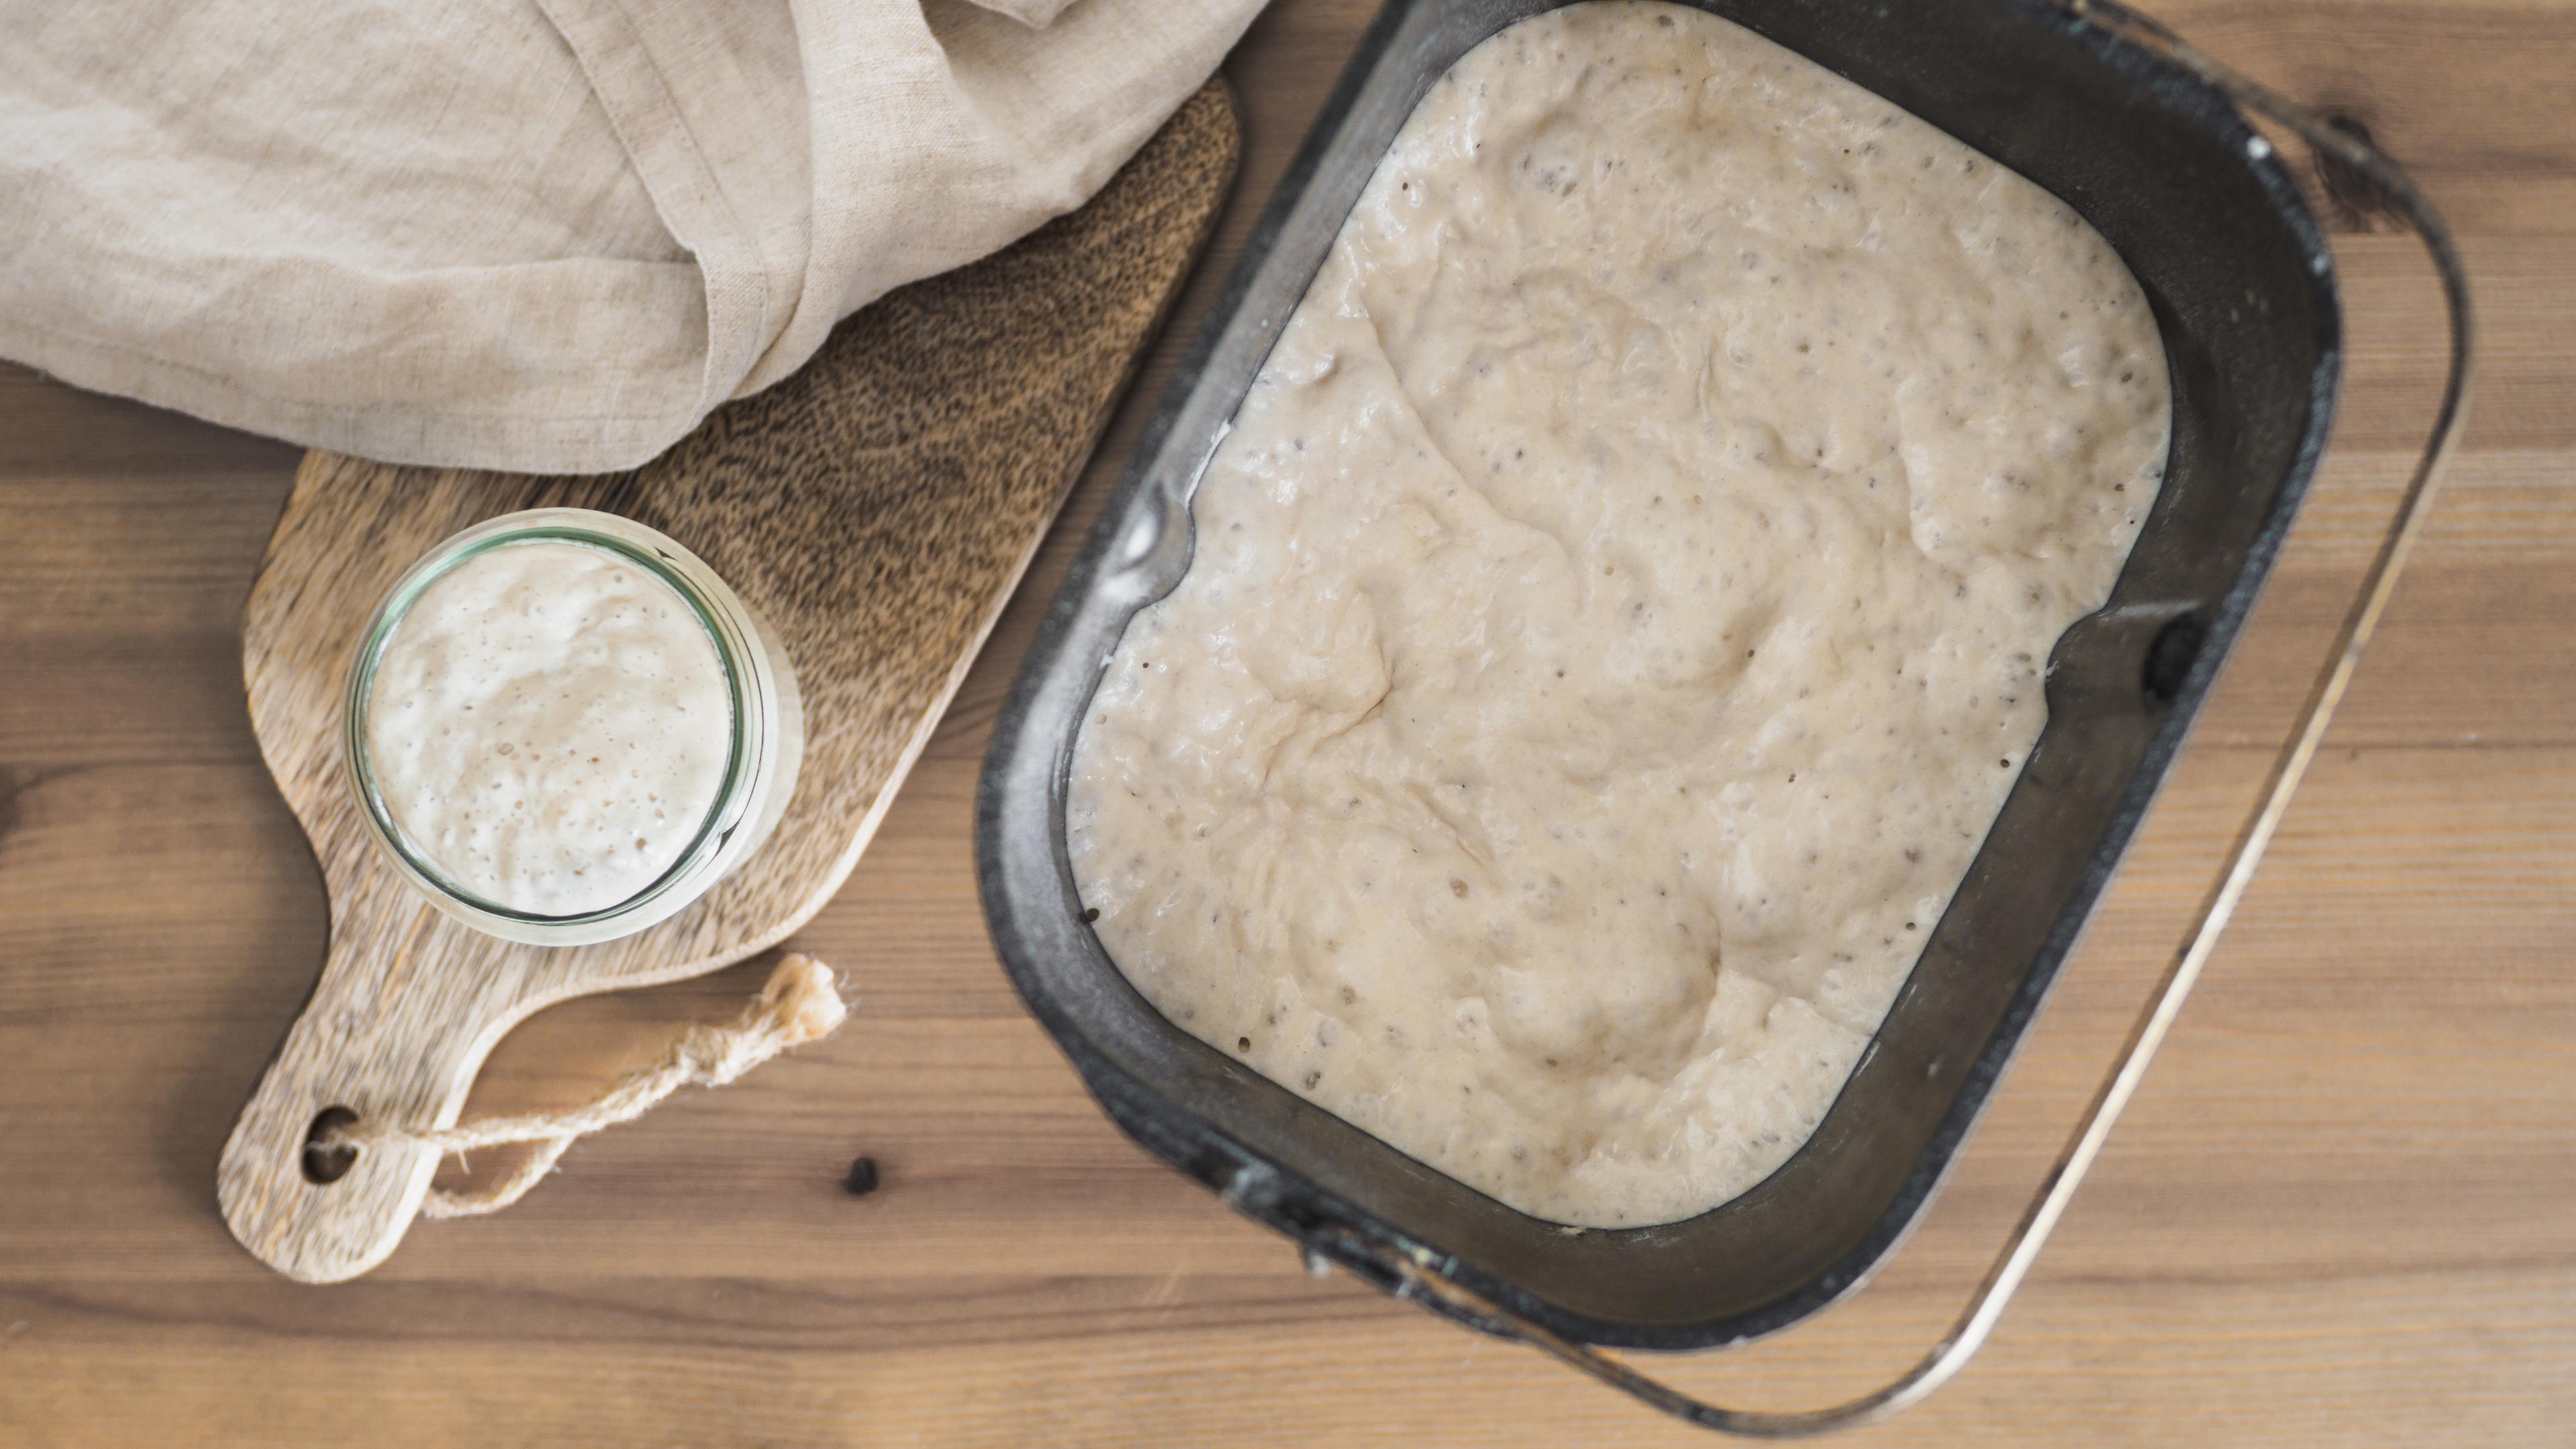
pixel 1410 1277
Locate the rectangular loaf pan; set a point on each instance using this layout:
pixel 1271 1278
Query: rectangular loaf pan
pixel 2243 288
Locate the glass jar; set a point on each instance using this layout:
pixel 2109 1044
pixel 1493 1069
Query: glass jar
pixel 767 733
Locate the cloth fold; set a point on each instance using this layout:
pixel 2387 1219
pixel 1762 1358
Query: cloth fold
pixel 540 235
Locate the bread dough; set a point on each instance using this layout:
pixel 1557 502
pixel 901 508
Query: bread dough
pixel 1618 613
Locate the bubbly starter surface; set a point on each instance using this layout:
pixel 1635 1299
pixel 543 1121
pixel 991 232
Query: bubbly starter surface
pixel 549 726
pixel 1618 613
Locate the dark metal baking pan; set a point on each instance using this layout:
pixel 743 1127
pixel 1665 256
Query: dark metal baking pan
pixel 2242 286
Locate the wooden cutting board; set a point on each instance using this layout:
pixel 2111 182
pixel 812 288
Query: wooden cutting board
pixel 876 510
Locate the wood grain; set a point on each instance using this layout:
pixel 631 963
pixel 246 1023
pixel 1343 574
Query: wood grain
pixel 873 511
pixel 2336 1216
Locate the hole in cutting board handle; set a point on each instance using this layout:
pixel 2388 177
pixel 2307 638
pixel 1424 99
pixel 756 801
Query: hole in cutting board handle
pixel 326 1165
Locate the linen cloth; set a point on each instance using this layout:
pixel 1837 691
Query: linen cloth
pixel 542 235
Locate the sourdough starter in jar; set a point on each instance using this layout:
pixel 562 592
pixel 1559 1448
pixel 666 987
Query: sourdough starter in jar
pixel 549 726
pixel 1618 613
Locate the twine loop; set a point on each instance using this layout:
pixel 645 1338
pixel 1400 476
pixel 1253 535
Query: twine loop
pixel 801 1003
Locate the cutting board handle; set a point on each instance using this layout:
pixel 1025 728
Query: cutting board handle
pixel 380 1049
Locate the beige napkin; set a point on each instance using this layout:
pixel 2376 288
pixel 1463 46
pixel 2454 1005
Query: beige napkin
pixel 545 236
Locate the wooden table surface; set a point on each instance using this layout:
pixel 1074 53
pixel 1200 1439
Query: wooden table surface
pixel 2342 1212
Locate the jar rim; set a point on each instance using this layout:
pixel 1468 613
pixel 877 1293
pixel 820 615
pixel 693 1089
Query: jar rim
pixel 664 562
